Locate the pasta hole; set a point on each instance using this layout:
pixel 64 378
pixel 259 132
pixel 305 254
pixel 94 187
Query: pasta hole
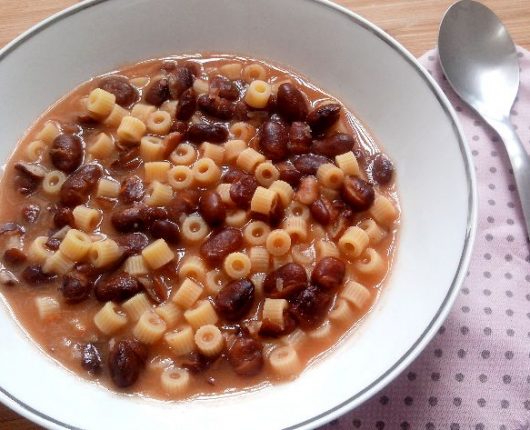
pixel 260 88
pixel 257 232
pixel 203 168
pixel 238 265
pixel 349 248
pixel 297 211
pixel 195 227
pixel 175 375
pixel 267 174
pixel 277 243
pixel 207 337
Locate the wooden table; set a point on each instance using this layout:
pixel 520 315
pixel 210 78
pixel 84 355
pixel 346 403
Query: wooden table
pixel 413 22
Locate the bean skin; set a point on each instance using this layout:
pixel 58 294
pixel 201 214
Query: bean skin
pixel 358 193
pixel 299 138
pixel 28 177
pixel 78 186
pixel 220 244
pixel 187 105
pixel 329 273
pixel 120 86
pixel 270 329
pixel 382 169
pixel 273 140
pixel 246 356
pixel 184 203
pixel 308 164
pixel 30 213
pixel 14 257
pixel 289 173
pixel 285 281
pixel 158 92
pixel 291 103
pixel 212 208
pixel 76 287
pixel 165 229
pixel 336 144
pixel 223 87
pixel 321 118
pixel 235 299
pixel 126 360
pixel 216 107
pixel 242 190
pixel 128 219
pixel 206 132
pixel 311 306
pixel 179 81
pixel 34 275
pixel 118 287
pixel 232 175
pixel 308 191
pixel 196 362
pixel 132 243
pixel 63 216
pixel 320 210
pixel 66 152
pixel 131 190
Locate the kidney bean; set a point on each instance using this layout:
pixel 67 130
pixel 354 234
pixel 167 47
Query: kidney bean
pixel 179 81
pixel 131 190
pixel 308 191
pixel 53 243
pixel 128 219
pixel 382 169
pixel 216 107
pixel 341 220
pixel 336 144
pixel 78 186
pixel 358 193
pixel 220 244
pixel 246 356
pixel 66 152
pixel 194 68
pixel 86 269
pixel 242 190
pixel 118 287
pixel 34 275
pixel 311 306
pixel 120 86
pixel 241 111
pixel 28 176
pixel 196 362
pixel 179 127
pixel 185 202
pixel 321 118
pixel 223 87
pixel 150 214
pixel 158 92
pixel 329 273
pixel 233 174
pixel 308 164
pixel 291 103
pixel 63 216
pixel 285 281
pixel 235 299
pixel 90 358
pixel 187 105
pixel 212 208
pixel 128 159
pixel 14 257
pixel 273 140
pixel 156 288
pixel 165 229
pixel 299 138
pixel 30 213
pixel 126 359
pixel 277 212
pixel 289 173
pixel 271 329
pixel 321 211
pixel 206 132
pixel 132 243
pixel 76 287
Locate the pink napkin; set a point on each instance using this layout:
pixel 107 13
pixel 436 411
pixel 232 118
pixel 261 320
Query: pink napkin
pixel 475 374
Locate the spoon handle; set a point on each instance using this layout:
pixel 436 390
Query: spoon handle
pixel 520 164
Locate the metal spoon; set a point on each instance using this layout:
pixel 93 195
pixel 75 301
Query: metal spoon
pixel 479 60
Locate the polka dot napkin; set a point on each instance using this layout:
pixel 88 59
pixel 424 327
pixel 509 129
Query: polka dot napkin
pixel 475 374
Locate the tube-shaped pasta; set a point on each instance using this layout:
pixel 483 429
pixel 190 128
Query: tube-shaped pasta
pixel 383 211
pixel 278 242
pixel 284 191
pixel 209 340
pixel 236 218
pixel 187 294
pixel 258 279
pixel 348 163
pixel 298 209
pixel 321 332
pixel 237 265
pixel 253 72
pixel 353 242
pixel 156 171
pixel 175 381
pixel 258 94
pixel 136 306
pixel 273 310
pixel 242 131
pixel 248 159
pixel 109 319
pixel 100 103
pixel 296 227
pixel 47 307
pixel 38 252
pixel 326 248
pixel 57 263
pixel 200 86
pixel 233 148
pixel 180 340
pixel 104 253
pixel 183 155
pixel 35 150
pixel 194 228
pixel 284 361
pixel 266 173
pixel 224 192
pixel 214 152
pixel 116 115
pixel 161 194
pixel 159 122
pixel 214 281
pixel 158 254
pixel 87 219
pixel 108 188
pixel 341 312
pixel 135 265
pixel 149 328
pixel 170 313
pixel 330 176
pixel 102 147
pixel 372 229
pixel 303 254
pixel 370 263
pixel 170 106
pixel 49 132
pixel 180 177
pixel 151 148
pixel 131 129
pixel 142 111
pixel 232 70
pixel 75 245
pixel 192 267
pixel 256 232
pixel 355 293
pixel 202 314
pixel 262 200
pixel 52 182
pixel 206 172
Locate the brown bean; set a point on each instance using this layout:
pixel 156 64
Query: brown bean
pixel 28 177
pixel 285 281
pixel 273 140
pixel 289 173
pixel 311 306
pixel 118 287
pixel 90 358
pixel 120 86
pixel 358 193
pixel 158 92
pixel 128 219
pixel 341 220
pixel 308 164
pixel 165 229
pixel 220 244
pixel 320 210
pixel 206 132
pixel 76 287
pixel 66 152
pixel 132 243
pixel 300 138
pixel 241 111
pixel 223 87
pixel 275 215
pixel 187 105
pixel 382 169
pixel 329 273
pixel 179 81
pixel 126 360
pixel 194 68
pixel 78 186
pixel 212 208
pixel 35 276
pixel 233 174
pixel 53 243
pixel 291 103
pixel 131 190
pixel 272 329
pixel 14 257
pixel 63 216
pixel 336 144
pixel 246 356
pixel 184 203
pixel 235 299
pixel 156 288
pixel 216 107
pixel 308 191
pixel 321 118
pixel 30 213
pixel 242 190
pixel 196 362
pixel 128 159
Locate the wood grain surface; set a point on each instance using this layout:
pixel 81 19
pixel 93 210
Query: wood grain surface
pixel 414 23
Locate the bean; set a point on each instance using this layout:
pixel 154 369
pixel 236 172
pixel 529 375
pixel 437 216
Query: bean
pixel 212 208
pixel 53 243
pixel 220 244
pixel 132 243
pixel 273 140
pixel 308 191
pixel 30 213
pixel 126 359
pixel 179 81
pixel 233 174
pixel 165 229
pixel 336 144
pixel 184 203
pixel 308 164
pixel 66 152
pixel 320 210
pixel 329 273
pixel 271 329
pixel 76 287
pixel 63 216
pixel 289 173
pixel 118 287
pixel 131 190
pixel 120 86
pixel 223 87
pixel 170 142
pixel 382 169
pixel 206 132
pixel 342 220
pixel 194 68
pixel 28 177
pixel 158 92
pixel 299 138
pixel 246 356
pixel 216 107
pixel 150 214
pixel 14 257
pixel 128 159
pixel 187 105
pixel 128 219
pixel 358 193
pixel 285 281
pixel 35 276
pixel 196 362
pixel 321 118
pixel 242 190
pixel 311 306
pixel 291 103
pixel 156 288
pixel 90 358
pixel 241 111
pixel 235 299
pixel 78 186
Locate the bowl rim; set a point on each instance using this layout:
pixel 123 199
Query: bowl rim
pixel 471 224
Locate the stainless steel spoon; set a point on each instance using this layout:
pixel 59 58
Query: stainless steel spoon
pixel 479 60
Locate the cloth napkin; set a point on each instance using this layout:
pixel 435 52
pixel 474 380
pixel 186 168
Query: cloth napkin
pixel 475 373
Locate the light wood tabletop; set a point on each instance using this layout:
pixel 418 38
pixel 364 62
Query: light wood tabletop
pixel 414 23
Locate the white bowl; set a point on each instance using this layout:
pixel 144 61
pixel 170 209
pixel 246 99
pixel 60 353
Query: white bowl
pixel 351 59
